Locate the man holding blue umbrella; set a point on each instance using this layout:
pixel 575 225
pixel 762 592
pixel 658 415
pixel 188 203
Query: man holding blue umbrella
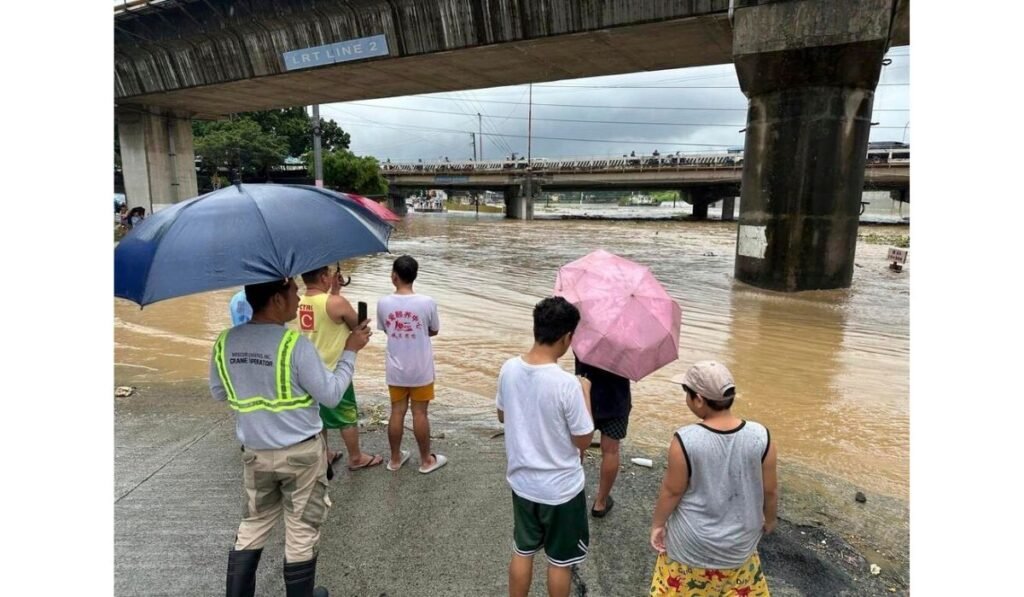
pixel 274 379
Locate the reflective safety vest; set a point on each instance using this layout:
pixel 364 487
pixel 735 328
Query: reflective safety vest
pixel 284 400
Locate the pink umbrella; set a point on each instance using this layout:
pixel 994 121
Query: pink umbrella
pixel 629 325
pixel 382 212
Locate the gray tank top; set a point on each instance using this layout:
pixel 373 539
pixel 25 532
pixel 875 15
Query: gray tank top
pixel 719 519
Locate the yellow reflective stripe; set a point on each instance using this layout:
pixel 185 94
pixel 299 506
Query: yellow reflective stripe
pixel 284 365
pixel 222 369
pixel 283 379
pixel 275 406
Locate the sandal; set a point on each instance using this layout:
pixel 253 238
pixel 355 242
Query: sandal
pixel 608 503
pixel 374 461
pixel 439 461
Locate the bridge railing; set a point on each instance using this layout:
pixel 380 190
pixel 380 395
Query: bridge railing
pixel 581 165
pixel 649 163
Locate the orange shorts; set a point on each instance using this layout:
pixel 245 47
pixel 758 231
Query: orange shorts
pixel 418 394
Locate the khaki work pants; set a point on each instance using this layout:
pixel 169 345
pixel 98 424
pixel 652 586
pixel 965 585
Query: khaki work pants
pixel 291 481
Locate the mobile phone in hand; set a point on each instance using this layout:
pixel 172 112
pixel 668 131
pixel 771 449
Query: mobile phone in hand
pixel 362 312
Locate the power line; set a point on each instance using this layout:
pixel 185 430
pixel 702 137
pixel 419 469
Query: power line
pixel 673 108
pixel 583 120
pixel 465 132
pixel 659 86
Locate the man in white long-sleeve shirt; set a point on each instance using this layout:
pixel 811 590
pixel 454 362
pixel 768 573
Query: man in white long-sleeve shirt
pixel 274 379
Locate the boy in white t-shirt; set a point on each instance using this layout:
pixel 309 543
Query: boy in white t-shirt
pixel 410 321
pixel 546 412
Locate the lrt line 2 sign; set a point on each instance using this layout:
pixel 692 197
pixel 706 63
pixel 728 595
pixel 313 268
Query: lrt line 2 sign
pixel 342 51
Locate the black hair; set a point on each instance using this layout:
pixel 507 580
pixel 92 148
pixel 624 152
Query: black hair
pixel 716 405
pixel 406 267
pixel 553 318
pixel 259 295
pixel 311 276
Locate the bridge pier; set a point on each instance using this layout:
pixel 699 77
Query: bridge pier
pixel 729 209
pixel 157 157
pixel 517 205
pixel 700 199
pixel 809 69
pixel 396 203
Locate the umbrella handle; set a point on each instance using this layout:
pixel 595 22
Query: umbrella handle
pixel 343 282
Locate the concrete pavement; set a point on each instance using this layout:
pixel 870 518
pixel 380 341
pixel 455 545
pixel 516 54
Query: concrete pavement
pixel 178 500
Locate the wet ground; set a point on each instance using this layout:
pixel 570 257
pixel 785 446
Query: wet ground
pixel 178 500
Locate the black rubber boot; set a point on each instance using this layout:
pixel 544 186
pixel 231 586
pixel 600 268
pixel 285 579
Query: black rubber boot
pixel 299 579
pixel 242 572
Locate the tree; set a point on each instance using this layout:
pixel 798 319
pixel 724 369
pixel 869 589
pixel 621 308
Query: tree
pixel 348 172
pixel 294 125
pixel 239 143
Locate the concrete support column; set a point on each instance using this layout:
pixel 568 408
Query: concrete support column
pixel 517 205
pixel 700 199
pixel 729 209
pixel 157 157
pixel 809 69
pixel 396 203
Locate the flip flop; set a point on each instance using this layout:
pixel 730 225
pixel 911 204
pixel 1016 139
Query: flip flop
pixel 405 456
pixel 373 462
pixel 439 461
pixel 608 503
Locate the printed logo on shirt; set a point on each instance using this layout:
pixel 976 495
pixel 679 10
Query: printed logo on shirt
pixel 251 358
pixel 403 324
pixel 307 321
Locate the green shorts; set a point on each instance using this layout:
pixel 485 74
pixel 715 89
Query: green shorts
pixel 346 414
pixel 561 530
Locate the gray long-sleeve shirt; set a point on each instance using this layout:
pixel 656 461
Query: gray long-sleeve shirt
pixel 250 354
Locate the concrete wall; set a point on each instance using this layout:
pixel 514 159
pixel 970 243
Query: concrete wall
pixel 157 157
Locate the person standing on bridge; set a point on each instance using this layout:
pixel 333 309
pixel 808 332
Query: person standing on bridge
pixel 718 497
pixel 410 320
pixel 273 378
pixel 327 318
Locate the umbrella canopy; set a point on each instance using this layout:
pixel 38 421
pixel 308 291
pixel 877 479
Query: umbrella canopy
pixel 382 212
pixel 242 234
pixel 628 325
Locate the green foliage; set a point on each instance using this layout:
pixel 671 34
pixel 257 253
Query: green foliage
pixel 259 141
pixel 239 143
pixel 348 172
pixel 293 124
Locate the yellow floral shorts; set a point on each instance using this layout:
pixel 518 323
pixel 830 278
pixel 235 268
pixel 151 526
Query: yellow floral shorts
pixel 673 578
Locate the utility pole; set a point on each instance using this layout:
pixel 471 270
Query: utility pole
pixel 473 135
pixel 480 135
pixel 529 151
pixel 318 164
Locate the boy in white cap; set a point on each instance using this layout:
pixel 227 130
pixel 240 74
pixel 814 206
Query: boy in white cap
pixel 718 497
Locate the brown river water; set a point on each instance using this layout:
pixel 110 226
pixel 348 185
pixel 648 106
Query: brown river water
pixel 826 371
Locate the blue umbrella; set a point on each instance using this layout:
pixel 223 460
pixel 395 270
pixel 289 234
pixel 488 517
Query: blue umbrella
pixel 242 234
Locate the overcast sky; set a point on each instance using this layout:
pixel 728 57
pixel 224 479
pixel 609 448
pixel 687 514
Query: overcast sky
pixel 623 123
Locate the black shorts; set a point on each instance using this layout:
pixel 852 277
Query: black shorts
pixel 561 530
pixel 614 428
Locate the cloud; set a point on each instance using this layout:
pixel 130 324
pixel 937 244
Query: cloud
pixel 708 110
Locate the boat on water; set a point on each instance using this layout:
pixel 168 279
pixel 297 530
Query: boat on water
pixel 643 201
pixel 425 205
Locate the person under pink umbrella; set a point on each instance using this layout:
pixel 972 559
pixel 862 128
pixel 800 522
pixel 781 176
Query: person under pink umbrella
pixel 629 328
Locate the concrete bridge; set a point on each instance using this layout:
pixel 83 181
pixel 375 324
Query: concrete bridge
pixel 808 67
pixel 701 179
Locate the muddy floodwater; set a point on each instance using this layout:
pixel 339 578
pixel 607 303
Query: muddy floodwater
pixel 826 371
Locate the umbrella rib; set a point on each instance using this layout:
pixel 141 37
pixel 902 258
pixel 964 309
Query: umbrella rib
pixel 277 252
